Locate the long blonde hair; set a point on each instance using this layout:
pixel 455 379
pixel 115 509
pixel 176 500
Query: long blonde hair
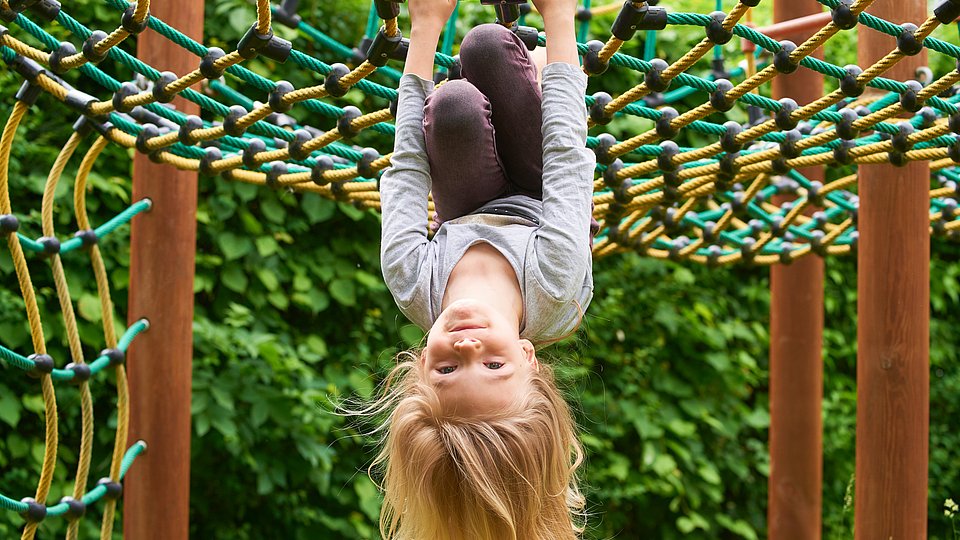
pixel 510 475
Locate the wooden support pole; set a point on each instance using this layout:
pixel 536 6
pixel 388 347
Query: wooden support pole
pixel 796 340
pixel 163 244
pixel 893 335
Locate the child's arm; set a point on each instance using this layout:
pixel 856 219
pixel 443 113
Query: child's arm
pixel 563 244
pixel 405 186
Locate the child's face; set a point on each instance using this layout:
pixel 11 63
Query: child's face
pixel 476 359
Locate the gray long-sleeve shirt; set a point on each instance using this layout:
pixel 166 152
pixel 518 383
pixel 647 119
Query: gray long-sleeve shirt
pixel 552 260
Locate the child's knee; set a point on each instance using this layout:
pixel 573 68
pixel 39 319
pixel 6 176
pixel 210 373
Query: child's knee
pixel 457 107
pixel 487 42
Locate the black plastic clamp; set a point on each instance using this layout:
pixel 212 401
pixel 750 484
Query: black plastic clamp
pixel 788 147
pixel 897 159
pixel 728 141
pixel 849 83
pixel 747 249
pixel 584 14
pixel 729 168
pixel 321 165
pixel 664 124
pixel 384 47
pixel 42 365
pixel 779 166
pixel 719 99
pixel 160 91
pixel 230 120
pixel 387 9
pixel 345 122
pixel 910 100
pixel 621 194
pixel 115 356
pixel 841 154
pixel 598 112
pixel 273 174
pixel 210 154
pixel 295 147
pixel 953 150
pixel 88 238
pixel 254 44
pixel 28 93
pixel 79 101
pixel 275 100
pixel 781 59
pixel 359 53
pixel 35 512
pixel 254 147
pixel 148 132
pixel 56 57
pixel 947 11
pixel 635 16
pixel 845 129
pixel 591 59
pixel 89 47
pixel 507 13
pixel 208 64
pixel 716 33
pixel 81 372
pixel 654 78
pixel 9 224
pixel 75 509
pixel 365 165
pixel 928 117
pixel 907 41
pixel 51 245
pixel 901 141
pixel 45 9
pixel 604 142
pixel 126 90
pixel 191 124
pixel 114 489
pixel 332 82
pixel 286 14
pixel 529 35
pixel 843 16
pixel 128 23
pixel 668 151
pixel 784 117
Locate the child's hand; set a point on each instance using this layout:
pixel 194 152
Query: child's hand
pixel 556 8
pixel 430 13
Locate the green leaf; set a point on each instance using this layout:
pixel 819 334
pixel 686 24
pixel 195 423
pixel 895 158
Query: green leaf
pixel 268 278
pixel 9 407
pixel 234 278
pixel 369 497
pixel 343 291
pixel 266 246
pixel 234 246
pixel 317 208
pixel 88 307
pixel 411 335
pixel 273 210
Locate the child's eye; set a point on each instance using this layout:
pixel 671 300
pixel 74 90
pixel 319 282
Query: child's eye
pixel 494 365
pixel 445 370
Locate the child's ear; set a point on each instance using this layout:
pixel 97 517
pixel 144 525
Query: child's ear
pixel 530 353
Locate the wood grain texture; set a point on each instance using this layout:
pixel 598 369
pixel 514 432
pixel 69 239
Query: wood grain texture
pixel 893 332
pixel 163 246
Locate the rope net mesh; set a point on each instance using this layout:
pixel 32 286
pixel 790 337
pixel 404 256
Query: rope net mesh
pixel 713 204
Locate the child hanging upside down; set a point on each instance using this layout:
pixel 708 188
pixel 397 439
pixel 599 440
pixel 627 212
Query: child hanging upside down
pixel 480 444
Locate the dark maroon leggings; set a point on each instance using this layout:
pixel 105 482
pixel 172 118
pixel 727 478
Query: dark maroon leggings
pixel 483 131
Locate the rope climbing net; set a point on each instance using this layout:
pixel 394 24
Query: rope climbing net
pixel 712 204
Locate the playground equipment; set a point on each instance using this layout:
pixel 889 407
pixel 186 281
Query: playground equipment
pixel 749 197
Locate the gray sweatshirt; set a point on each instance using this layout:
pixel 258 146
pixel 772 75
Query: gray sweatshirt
pixel 552 259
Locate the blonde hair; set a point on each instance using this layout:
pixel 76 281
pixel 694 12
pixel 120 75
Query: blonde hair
pixel 510 475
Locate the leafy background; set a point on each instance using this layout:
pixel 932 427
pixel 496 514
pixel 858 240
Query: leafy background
pixel 668 376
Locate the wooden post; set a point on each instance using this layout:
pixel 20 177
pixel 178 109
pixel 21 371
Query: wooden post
pixel 796 340
pixel 163 245
pixel 893 334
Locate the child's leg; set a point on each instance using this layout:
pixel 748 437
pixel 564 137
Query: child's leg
pixel 499 65
pixel 461 150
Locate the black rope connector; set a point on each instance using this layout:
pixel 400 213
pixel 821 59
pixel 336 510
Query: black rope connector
pixel 36 512
pixel 907 41
pixel 254 44
pixel 114 355
pixel 9 224
pixel 230 126
pixel 719 99
pixel 947 11
pixel 130 24
pixel 273 174
pixel 364 166
pixel 668 151
pixel 320 166
pixel 729 168
pixel 29 93
pixel 604 142
pixel 610 179
pixel 88 237
pixel 384 47
pixel 909 100
pixel 654 78
pixel 750 3
pixel 114 489
pixel 716 33
pixel 664 126
pixel 782 60
pixel 75 509
pixel 81 372
pixel 845 129
pixel 898 159
pixel 953 150
pixel 42 365
pixel 788 147
pixel 210 154
pixel 900 141
pixel 51 246
pixel 591 59
pixel 816 243
pixel 191 124
pixel 621 194
pixel 784 117
pixel 841 154
pixel 286 14
pixel 814 196
pixel 300 138
pixel 254 147
pixel 275 100
pixel 728 141
pixel 332 82
pixel 746 249
pixel 928 117
pixel 785 249
pixel 89 50
pixel 843 15
pixel 584 14
pixel 126 90
pixel 849 85
pixel 598 112
pixel 45 9
pixel 345 123
pixel 27 68
pixel 359 53
pixel 387 9
pixel 208 64
pixel 529 36
pixel 160 91
pixel 148 132
pixel 779 166
pixel 56 57
pixel 633 17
